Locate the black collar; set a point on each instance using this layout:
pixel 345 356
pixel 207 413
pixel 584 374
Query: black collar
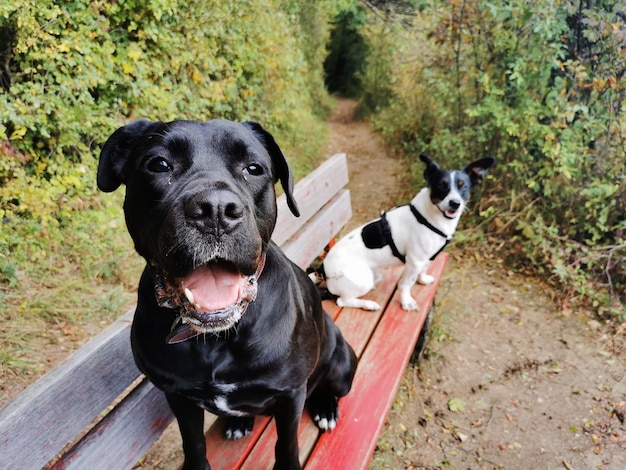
pixel 422 220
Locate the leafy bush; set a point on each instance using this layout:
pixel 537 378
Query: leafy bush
pixel 539 85
pixel 81 70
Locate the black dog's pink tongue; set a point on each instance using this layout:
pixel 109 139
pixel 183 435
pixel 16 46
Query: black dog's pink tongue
pixel 213 287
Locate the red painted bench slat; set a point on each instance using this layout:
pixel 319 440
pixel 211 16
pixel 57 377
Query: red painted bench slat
pixel 384 341
pixel 363 413
pixel 263 454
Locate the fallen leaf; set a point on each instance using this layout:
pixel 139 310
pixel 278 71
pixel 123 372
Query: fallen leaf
pixel 456 405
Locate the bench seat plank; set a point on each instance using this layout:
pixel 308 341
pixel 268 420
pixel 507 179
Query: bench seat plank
pixel 80 387
pixel 309 242
pixel 144 408
pixel 311 193
pixel 352 443
pixel 376 366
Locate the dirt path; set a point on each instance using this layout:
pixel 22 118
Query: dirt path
pixel 374 174
pixel 506 380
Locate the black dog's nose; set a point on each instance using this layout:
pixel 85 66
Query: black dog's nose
pixel 218 210
pixel 454 204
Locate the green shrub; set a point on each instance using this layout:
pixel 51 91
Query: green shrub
pixel 540 86
pixel 81 70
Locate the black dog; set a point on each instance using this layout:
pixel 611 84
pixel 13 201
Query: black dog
pixel 224 321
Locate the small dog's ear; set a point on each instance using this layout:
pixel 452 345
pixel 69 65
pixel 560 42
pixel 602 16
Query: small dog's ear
pixel 282 170
pixel 431 166
pixel 115 154
pixel 478 169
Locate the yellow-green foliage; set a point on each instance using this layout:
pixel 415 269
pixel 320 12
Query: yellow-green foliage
pixel 79 69
pixel 82 68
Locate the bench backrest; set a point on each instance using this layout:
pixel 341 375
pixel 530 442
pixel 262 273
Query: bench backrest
pixel 96 408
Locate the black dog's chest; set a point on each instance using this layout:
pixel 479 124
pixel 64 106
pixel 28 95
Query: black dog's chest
pixel 232 400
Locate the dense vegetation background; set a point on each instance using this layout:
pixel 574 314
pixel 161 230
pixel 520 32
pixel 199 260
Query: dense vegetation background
pixel 538 84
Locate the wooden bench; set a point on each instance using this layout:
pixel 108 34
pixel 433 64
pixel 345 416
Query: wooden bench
pixel 95 410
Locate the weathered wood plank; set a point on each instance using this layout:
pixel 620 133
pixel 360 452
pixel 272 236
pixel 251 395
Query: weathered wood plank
pixel 52 411
pixel 352 443
pixel 311 193
pixel 311 239
pixel 124 435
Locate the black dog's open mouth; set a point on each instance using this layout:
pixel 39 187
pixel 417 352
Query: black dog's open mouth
pixel 211 299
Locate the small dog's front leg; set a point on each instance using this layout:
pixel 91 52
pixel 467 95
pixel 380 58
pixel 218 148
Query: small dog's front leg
pixel 424 278
pixel 407 280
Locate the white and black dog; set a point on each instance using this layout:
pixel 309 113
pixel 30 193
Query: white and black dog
pixel 412 234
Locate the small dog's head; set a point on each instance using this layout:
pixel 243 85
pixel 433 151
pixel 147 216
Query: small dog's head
pixel 450 190
pixel 200 207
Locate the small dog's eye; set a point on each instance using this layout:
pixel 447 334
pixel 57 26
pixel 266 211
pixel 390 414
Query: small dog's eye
pixel 444 183
pixel 254 169
pixel 461 184
pixel 159 165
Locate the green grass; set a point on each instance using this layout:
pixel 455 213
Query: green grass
pixel 83 272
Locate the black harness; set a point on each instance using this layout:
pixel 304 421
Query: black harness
pixel 377 234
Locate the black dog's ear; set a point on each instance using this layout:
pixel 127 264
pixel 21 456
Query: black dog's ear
pixel 115 154
pixel 282 170
pixel 478 169
pixel 431 166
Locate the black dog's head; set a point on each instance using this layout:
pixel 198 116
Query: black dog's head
pixel 450 190
pixel 200 207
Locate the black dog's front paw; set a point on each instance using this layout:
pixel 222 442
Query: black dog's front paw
pixel 237 427
pixel 324 410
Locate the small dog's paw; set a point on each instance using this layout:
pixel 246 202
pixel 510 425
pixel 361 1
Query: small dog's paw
pixel 426 279
pixel 358 303
pixel 324 410
pixel 370 305
pixel 409 305
pixel 238 427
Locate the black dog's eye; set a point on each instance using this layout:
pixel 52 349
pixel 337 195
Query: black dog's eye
pixel 159 165
pixel 254 169
pixel 444 183
pixel 461 184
